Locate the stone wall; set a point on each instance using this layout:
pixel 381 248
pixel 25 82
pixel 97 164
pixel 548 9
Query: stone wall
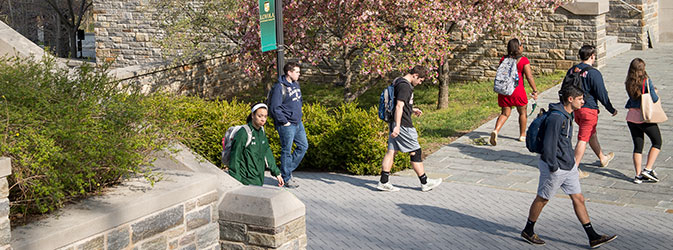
pixel 665 17
pixel 124 31
pixel 5 228
pixel 189 225
pixel 550 42
pixel 210 78
pixel 631 25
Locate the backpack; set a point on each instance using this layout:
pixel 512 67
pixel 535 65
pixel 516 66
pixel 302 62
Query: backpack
pixel 507 77
pixel 575 78
pixel 228 139
pixel 270 94
pixel 387 102
pixel 535 132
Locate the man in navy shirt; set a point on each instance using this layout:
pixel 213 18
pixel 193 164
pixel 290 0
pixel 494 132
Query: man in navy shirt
pixel 587 117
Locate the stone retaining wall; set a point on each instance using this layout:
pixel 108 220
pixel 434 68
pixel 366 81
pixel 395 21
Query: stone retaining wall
pixel 5 228
pixel 632 26
pixel 189 225
pixel 550 42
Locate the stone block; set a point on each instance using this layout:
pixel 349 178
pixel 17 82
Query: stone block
pixel 4 208
pixel 189 247
pixel 157 223
pixel 173 244
pixel 5 231
pixel 5 166
pixel 198 218
pixel 158 243
pixel 119 238
pixel 175 232
pixel 228 245
pixel 261 206
pixel 96 243
pixel 266 240
pixel 556 54
pixel 207 235
pixel 187 239
pixel 208 198
pixel 232 231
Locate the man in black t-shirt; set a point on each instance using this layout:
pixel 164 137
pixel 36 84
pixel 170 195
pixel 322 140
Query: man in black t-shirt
pixel 403 136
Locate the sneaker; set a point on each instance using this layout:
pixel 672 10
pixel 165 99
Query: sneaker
pixel 430 184
pixel 494 138
pixel 602 240
pixel 387 187
pixel 522 138
pixel 649 174
pixel 638 179
pixel 583 174
pixel 291 184
pixel 535 240
pixel 608 158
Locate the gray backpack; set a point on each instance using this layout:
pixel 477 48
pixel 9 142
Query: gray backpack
pixel 227 141
pixel 507 77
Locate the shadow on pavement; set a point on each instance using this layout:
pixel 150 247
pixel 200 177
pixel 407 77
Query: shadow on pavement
pixel 487 154
pixel 456 219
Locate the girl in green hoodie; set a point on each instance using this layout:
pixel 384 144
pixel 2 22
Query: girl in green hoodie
pixel 247 163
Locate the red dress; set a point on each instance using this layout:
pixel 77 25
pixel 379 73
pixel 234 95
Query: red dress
pixel 519 96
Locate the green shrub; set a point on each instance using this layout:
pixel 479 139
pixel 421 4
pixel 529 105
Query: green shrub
pixel 70 135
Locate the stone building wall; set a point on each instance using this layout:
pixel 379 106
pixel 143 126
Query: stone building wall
pixel 550 42
pixel 631 25
pixel 124 31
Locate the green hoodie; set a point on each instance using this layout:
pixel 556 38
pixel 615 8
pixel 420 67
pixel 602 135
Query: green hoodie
pixel 247 163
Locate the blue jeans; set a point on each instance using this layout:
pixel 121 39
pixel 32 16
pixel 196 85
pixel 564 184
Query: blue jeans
pixel 289 161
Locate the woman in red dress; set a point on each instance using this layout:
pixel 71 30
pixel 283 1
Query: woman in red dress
pixel 519 98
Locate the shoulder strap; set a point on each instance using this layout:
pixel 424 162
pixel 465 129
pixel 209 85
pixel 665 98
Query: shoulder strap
pixel 587 68
pixel 249 131
pixel 648 86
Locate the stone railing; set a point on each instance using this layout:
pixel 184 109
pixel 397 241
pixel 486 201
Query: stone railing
pixel 262 218
pixel 634 22
pixel 5 229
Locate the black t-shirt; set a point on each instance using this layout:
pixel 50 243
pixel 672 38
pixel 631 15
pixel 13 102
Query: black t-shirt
pixel 404 92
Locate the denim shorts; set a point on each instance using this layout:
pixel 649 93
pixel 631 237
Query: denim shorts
pixel 550 182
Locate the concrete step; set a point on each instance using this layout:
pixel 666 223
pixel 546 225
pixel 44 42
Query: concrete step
pixel 616 49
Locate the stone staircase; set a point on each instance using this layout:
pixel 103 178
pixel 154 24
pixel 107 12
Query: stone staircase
pixel 614 48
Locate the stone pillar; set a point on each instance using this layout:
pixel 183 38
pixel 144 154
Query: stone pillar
pixel 587 19
pixel 255 217
pixel 5 229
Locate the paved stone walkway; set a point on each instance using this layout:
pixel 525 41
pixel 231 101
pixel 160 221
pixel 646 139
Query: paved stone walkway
pixel 484 200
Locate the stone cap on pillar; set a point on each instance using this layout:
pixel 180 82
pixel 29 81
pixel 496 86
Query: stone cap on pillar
pixel 5 167
pixel 261 206
pixel 588 7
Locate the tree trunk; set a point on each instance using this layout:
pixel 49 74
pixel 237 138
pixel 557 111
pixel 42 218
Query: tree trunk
pixel 72 38
pixel 348 80
pixel 443 96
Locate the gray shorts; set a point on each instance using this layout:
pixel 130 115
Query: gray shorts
pixel 567 180
pixel 405 142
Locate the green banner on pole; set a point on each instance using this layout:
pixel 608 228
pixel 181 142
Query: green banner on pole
pixel 267 24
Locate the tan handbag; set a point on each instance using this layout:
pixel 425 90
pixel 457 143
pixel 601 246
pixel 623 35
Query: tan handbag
pixel 652 111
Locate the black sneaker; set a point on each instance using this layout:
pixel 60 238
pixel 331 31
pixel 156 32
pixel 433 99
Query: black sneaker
pixel 638 179
pixel 291 183
pixel 650 174
pixel 535 240
pixel 602 240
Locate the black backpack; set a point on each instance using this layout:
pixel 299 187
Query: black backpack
pixel 575 78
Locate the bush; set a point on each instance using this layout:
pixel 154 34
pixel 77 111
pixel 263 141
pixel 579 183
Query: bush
pixel 69 134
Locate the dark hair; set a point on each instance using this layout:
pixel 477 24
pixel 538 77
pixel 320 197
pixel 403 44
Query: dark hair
pixel 569 90
pixel 249 118
pixel 289 66
pixel 513 48
pixel 635 77
pixel 420 70
pixel 586 51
